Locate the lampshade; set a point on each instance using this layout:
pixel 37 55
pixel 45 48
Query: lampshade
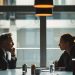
pixel 43 4
pixel 49 2
pixel 43 12
pixel 43 7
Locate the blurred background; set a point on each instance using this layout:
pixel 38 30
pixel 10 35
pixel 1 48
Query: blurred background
pixel 25 29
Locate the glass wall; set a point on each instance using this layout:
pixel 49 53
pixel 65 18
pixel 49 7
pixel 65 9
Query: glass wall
pixel 28 42
pixel 56 2
pixel 31 2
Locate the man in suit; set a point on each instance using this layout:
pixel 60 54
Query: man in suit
pixel 6 46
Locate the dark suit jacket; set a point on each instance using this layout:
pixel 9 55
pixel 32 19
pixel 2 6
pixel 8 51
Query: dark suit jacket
pixel 66 59
pixel 4 63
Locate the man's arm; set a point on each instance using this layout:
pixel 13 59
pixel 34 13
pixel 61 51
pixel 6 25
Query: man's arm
pixel 12 62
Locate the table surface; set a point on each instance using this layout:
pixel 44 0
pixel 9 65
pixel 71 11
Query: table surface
pixel 43 72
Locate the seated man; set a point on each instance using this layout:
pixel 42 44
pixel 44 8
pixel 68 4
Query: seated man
pixel 6 45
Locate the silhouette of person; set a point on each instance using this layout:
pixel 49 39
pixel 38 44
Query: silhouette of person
pixel 68 45
pixel 6 50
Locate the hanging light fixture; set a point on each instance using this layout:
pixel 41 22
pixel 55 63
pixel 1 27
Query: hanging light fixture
pixel 43 12
pixel 43 7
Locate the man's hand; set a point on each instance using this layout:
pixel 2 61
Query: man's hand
pixel 13 51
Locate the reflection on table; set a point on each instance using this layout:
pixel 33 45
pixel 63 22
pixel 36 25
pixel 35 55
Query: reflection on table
pixel 43 72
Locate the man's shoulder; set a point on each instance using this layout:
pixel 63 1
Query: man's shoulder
pixel 1 51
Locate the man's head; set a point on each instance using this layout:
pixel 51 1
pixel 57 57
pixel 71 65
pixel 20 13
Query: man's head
pixel 6 41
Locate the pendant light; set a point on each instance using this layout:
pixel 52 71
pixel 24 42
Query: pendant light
pixel 43 7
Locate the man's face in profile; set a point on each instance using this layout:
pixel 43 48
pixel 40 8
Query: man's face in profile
pixel 8 44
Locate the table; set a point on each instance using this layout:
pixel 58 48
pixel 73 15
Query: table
pixel 47 72
pixel 43 72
